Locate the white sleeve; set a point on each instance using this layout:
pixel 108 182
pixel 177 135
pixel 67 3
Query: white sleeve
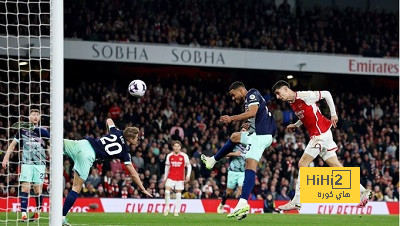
pixel 186 158
pixel 166 171
pixel 329 100
pixel 127 163
pixel 188 165
pixel 167 159
pixel 189 170
pixel 167 163
pixel 309 97
pixel 298 123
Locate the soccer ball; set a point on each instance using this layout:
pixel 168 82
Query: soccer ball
pixel 137 88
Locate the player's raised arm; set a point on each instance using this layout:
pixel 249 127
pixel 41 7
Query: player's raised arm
pixel 109 123
pixel 329 100
pixel 136 179
pixel 10 149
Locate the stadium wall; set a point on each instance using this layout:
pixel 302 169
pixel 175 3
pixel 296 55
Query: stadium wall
pixel 117 205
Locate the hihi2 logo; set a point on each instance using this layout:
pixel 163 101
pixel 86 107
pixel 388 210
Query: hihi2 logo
pixel 329 184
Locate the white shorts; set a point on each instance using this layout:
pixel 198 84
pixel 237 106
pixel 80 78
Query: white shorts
pixel 175 184
pixel 322 145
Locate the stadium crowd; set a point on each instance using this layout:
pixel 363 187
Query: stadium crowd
pixel 367 136
pixel 238 24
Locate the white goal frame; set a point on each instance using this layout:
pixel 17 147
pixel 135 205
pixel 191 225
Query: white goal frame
pixel 56 109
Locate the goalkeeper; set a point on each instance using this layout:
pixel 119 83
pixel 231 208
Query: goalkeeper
pixel 34 141
pixel 235 173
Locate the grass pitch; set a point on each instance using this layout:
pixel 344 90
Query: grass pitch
pixel 212 219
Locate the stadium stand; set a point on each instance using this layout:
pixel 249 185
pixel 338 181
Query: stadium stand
pixel 367 136
pixel 236 24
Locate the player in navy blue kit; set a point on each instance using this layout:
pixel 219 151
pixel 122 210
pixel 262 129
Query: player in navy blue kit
pixel 84 152
pixel 262 127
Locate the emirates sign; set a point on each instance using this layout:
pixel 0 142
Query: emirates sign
pixel 370 66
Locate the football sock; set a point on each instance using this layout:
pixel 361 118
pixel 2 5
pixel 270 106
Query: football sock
pixel 39 202
pixel 178 202
pixel 69 201
pixel 241 203
pixel 248 183
pixel 362 189
pixel 24 201
pixel 226 149
pixel 167 197
pixel 296 198
pixel 224 198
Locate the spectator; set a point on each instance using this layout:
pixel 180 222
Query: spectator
pixel 378 112
pixel 278 114
pixel 94 178
pixel 273 191
pixel 138 160
pixel 89 105
pixel 114 111
pixel 269 205
pixel 178 135
pixel 124 192
pixel 189 194
pixel 389 196
pixel 391 150
pixel 89 191
pixel 100 192
pixel 283 195
pixel 284 8
pixel 152 166
pixel 116 166
pixel 13 192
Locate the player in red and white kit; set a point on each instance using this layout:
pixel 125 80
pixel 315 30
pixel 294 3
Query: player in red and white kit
pixel 174 176
pixel 321 140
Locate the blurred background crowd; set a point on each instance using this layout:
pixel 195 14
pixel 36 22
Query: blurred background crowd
pixel 237 24
pixel 367 137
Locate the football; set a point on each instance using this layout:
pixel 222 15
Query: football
pixel 137 88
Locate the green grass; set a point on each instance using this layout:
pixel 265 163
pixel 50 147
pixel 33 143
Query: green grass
pixel 215 219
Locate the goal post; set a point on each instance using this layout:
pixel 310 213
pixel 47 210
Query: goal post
pixel 56 108
pixel 31 77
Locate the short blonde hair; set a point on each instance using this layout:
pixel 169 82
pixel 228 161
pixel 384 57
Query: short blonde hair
pixel 33 110
pixel 131 132
pixel 176 142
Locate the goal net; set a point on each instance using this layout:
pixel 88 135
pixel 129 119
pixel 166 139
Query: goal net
pixel 24 88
